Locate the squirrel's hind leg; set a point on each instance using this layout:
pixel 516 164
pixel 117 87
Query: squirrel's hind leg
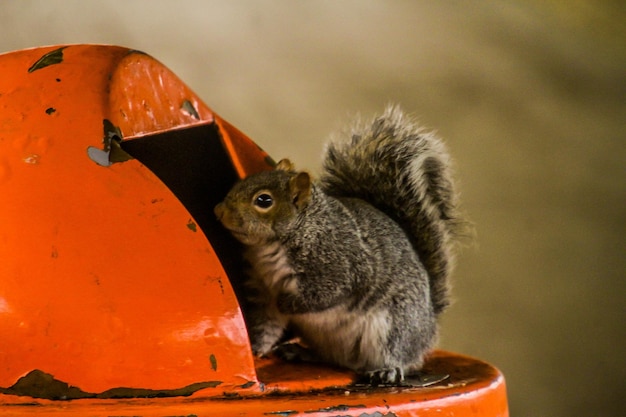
pixel 384 376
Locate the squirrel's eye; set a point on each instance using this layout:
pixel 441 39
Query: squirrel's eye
pixel 264 201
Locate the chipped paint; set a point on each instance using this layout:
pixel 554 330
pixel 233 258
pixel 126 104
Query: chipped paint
pixel 32 159
pixel 99 156
pixel 112 151
pixel 192 226
pixel 190 109
pixel 418 380
pixel 51 58
pixel 213 361
pixel 335 408
pixel 50 110
pixel 39 384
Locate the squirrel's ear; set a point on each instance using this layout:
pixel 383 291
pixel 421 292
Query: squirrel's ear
pixel 285 165
pixel 300 189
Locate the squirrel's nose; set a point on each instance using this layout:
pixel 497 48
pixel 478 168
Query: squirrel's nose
pixel 219 211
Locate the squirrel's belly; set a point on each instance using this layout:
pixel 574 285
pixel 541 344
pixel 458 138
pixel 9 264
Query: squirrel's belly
pixel 353 339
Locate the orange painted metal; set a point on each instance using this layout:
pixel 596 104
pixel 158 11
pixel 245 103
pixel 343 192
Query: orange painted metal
pixel 105 281
pixel 108 283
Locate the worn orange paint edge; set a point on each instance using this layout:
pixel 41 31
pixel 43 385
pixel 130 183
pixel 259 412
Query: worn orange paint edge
pixel 474 389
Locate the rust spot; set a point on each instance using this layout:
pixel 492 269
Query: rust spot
pixel 51 58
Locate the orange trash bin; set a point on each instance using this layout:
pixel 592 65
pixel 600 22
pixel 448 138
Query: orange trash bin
pixel 118 286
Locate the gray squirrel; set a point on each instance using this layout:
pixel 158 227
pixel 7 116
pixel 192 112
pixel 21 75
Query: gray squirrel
pixel 355 264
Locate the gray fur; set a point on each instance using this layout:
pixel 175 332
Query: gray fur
pixel 404 171
pixel 356 264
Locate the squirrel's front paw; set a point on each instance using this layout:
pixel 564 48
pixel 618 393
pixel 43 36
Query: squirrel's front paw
pixel 262 347
pixel 294 352
pixel 259 353
pixel 264 337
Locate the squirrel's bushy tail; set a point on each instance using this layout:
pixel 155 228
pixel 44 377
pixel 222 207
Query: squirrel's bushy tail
pixel 405 172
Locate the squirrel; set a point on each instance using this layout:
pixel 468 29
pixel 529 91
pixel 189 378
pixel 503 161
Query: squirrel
pixel 355 264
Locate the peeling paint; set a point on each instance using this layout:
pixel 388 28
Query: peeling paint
pixel 423 380
pixel 112 139
pixel 192 226
pixel 51 58
pixel 189 108
pixel 419 380
pixel 340 407
pixel 39 384
pixel 112 151
pixel 151 393
pixel 99 156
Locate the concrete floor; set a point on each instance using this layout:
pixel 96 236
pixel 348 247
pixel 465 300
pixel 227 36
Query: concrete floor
pixel 530 97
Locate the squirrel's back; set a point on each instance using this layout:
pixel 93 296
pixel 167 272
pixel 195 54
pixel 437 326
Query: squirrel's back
pixel 405 172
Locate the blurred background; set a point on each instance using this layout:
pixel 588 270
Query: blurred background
pixel 530 97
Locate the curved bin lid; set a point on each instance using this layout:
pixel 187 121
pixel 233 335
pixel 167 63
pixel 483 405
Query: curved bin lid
pixel 107 280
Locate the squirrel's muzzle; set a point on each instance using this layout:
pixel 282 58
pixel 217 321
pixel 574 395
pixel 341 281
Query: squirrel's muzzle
pixel 219 211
